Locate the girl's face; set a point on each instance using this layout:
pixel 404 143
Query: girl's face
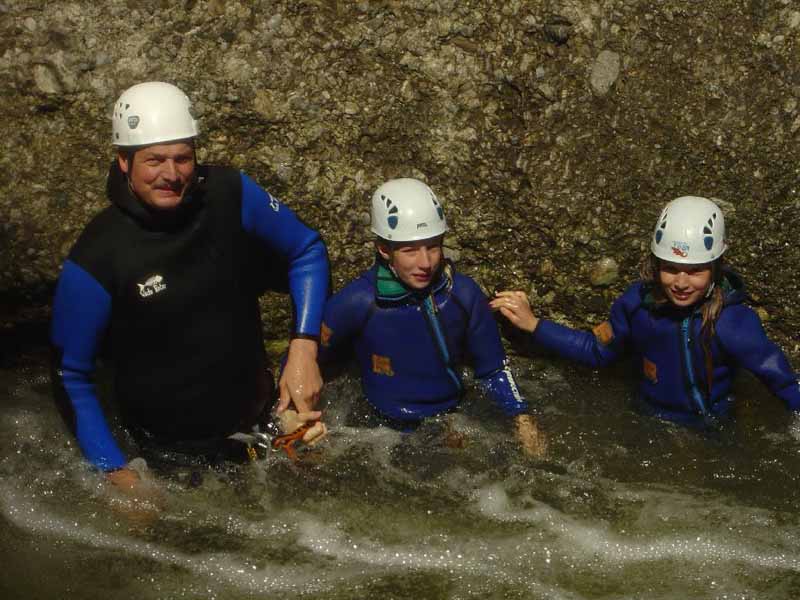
pixel 684 285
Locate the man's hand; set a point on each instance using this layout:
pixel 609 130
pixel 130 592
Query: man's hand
pixel 301 381
pixel 533 441
pixel 143 499
pixel 515 307
pixel 290 421
pixel 125 480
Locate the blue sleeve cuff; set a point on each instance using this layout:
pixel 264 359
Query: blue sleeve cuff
pixel 502 388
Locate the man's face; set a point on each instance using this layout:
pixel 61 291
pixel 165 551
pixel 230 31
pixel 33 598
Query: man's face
pixel 160 174
pixel 414 263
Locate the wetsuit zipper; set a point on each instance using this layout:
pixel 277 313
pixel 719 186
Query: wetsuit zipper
pixel 694 391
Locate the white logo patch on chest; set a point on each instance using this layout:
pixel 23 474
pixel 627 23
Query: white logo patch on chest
pixel 153 285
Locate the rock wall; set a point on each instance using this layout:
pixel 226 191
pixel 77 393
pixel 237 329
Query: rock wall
pixel 553 130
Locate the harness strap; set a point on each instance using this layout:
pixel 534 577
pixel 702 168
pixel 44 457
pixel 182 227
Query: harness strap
pixel 695 392
pixel 287 441
pixel 431 313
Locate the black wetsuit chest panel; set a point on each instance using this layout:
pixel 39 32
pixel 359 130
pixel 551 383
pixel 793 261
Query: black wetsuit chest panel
pixel 185 327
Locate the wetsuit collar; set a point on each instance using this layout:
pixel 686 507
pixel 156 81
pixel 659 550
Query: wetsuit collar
pixel 389 288
pixel 120 194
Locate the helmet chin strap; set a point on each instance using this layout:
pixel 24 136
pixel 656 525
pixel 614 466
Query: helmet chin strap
pixel 710 289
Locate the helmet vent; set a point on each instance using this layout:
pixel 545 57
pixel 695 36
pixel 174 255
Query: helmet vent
pixel 392 219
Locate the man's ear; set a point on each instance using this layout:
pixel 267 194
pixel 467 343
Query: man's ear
pixel 124 162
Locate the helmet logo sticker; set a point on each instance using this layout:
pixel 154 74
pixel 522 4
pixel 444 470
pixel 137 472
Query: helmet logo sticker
pixel 133 122
pixel 392 219
pixel 421 225
pixel 680 249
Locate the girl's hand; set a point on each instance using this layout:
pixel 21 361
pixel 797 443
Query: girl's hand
pixel 515 307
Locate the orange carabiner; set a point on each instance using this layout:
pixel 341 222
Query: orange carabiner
pixel 287 441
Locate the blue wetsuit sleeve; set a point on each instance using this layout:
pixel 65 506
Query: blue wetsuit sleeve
pixel 81 311
pixel 501 386
pixel 345 315
pixel 742 336
pixel 487 353
pixel 595 348
pixel 278 227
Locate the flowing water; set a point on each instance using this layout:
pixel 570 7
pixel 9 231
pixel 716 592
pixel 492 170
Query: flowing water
pixel 622 506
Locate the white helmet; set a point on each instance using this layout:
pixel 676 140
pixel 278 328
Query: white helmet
pixel 406 210
pixel 690 230
pixel 152 113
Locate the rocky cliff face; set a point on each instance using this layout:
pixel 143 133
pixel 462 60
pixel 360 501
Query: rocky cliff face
pixel 553 130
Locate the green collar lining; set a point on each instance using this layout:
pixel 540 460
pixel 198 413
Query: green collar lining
pixel 389 287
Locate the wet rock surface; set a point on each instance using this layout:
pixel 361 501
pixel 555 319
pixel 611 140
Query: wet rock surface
pixel 497 106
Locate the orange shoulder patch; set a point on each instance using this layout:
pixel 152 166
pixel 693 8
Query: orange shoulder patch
pixel 382 365
pixel 650 370
pixel 325 334
pixel 604 333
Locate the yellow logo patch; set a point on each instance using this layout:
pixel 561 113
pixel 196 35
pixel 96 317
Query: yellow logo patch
pixel 382 365
pixel 650 370
pixel 325 334
pixel 604 333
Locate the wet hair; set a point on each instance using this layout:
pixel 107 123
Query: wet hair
pixel 711 306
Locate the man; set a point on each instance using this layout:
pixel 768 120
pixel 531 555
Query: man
pixel 170 274
pixel 412 319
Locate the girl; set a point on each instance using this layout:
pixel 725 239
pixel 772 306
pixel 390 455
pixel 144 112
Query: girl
pixel 684 323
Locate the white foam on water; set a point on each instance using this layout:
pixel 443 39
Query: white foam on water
pixel 599 542
pixel 215 567
pixel 465 558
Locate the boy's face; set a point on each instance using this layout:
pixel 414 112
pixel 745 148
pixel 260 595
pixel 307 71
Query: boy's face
pixel 684 285
pixel 414 263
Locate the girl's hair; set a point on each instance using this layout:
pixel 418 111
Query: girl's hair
pixel 711 307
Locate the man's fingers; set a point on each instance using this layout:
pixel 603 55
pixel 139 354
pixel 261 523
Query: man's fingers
pixel 283 403
pixel 315 434
pixel 311 415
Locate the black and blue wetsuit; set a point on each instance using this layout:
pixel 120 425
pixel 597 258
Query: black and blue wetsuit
pixel 409 344
pixel 679 379
pixel 175 295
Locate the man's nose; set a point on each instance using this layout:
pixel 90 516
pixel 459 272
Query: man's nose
pixel 683 279
pixel 169 170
